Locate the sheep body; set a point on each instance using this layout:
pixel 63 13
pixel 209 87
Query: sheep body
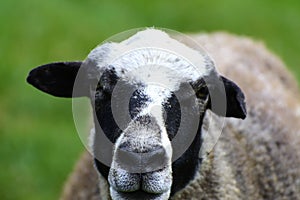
pixel 258 158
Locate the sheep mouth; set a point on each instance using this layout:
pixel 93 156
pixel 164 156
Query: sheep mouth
pixel 149 186
pixel 138 195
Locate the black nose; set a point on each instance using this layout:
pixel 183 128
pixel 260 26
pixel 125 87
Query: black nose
pixel 136 162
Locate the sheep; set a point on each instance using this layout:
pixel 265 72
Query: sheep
pixel 255 158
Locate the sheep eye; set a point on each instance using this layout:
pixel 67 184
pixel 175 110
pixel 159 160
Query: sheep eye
pixel 202 92
pixel 99 87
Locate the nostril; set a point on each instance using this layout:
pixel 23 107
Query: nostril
pixel 123 181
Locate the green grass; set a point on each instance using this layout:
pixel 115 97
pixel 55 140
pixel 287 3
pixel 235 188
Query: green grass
pixel 38 140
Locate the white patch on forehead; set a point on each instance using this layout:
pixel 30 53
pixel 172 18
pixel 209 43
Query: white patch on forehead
pixel 152 56
pixel 154 66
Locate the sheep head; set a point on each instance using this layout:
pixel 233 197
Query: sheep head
pixel 149 95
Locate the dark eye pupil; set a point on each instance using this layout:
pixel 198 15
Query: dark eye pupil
pixel 202 92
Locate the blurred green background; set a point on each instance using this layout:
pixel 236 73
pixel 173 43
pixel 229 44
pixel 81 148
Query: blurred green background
pixel 38 142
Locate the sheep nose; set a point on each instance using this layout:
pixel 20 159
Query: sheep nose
pixel 146 169
pixel 136 162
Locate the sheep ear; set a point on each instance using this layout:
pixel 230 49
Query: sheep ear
pixel 56 79
pixel 235 100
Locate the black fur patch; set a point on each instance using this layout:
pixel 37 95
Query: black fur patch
pixel 172 116
pixel 185 167
pixel 102 106
pixel 57 79
pixel 236 106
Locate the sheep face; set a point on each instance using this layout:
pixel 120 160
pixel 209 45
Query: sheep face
pixel 149 101
pixel 142 155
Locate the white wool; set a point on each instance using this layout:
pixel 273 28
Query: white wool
pixel 152 56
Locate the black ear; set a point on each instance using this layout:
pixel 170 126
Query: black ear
pixel 56 79
pixel 235 100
